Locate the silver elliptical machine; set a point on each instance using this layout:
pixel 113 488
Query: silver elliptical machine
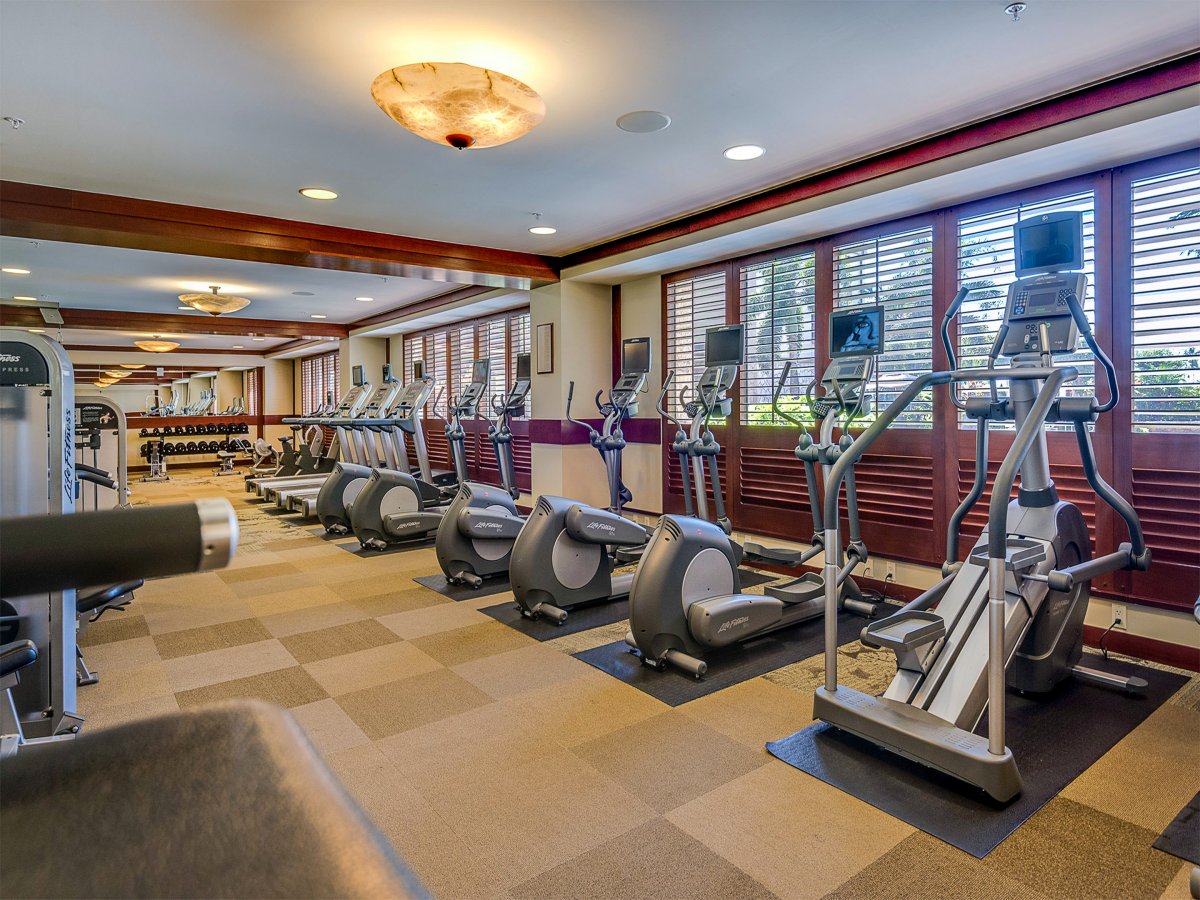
pixel 1011 614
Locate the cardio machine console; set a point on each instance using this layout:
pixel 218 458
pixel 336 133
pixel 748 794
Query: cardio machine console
pixel 1042 299
pixel 625 391
pixel 849 373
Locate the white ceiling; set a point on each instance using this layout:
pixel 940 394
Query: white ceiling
pixel 235 105
pixel 122 340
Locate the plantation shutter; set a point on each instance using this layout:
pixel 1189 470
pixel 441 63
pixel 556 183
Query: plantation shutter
pixel 437 362
pixel 491 347
pixel 462 345
pixel 894 271
pixel 779 310
pixel 414 349
pixel 519 342
pixel 986 263
pixel 250 391
pixel 693 306
pixel 1165 309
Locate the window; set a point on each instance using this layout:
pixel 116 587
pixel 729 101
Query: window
pixel 491 347
pixel 779 309
pixel 462 348
pixel 519 342
pixel 693 306
pixel 320 380
pixel 894 271
pixel 437 362
pixel 1165 307
pixel 414 349
pixel 250 379
pixel 986 264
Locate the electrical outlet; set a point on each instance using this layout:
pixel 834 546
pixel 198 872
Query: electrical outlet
pixel 891 571
pixel 1120 617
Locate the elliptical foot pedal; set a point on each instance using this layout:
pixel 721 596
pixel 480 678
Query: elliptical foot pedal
pixel 1130 685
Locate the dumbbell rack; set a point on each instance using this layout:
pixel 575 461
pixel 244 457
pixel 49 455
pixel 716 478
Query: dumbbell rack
pixel 204 442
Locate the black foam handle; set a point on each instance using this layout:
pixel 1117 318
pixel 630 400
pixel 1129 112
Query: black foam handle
pixel 51 553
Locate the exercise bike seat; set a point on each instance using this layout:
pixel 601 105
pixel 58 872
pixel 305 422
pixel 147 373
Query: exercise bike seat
pixel 100 597
pixel 17 655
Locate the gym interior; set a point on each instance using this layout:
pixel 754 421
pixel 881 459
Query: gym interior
pixel 600 449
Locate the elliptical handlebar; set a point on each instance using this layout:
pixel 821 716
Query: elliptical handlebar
pixel 787 368
pixel 951 312
pixel 570 418
pixel 659 405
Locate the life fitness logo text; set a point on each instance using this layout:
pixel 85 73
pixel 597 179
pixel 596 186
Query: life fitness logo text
pixel 733 623
pixel 600 526
pixel 9 358
pixel 69 455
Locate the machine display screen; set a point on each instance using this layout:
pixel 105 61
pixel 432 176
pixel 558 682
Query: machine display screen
pixel 725 345
pixel 522 367
pixel 1049 243
pixel 356 375
pixel 635 355
pixel 856 332
pixel 418 369
pixel 480 370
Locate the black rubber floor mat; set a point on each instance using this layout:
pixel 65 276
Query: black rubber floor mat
pixel 438 582
pixel 726 667
pixel 1054 739
pixel 1182 837
pixel 353 546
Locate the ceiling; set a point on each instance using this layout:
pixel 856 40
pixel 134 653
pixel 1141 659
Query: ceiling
pixel 236 105
pixel 123 340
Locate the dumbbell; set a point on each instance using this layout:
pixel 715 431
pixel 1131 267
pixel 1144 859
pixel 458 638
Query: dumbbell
pixel 145 432
pixel 144 450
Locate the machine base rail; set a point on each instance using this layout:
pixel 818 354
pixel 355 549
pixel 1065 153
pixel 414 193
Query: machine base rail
pixel 922 737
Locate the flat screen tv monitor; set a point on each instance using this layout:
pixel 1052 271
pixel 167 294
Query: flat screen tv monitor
pixel 522 367
pixel 387 373
pixel 1049 243
pixel 725 345
pixel 356 376
pixel 856 332
pixel 418 369
pixel 481 369
pixel 635 356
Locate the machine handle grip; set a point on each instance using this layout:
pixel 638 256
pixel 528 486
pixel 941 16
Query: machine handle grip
pixel 51 553
pixel 951 312
pixel 101 480
pixel 787 368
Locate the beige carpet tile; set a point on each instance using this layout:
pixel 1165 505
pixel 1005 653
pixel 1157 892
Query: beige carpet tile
pixel 525 669
pixel 689 759
pixel 753 712
pixel 193 609
pixel 654 860
pixel 379 605
pixel 443 616
pixel 377 584
pixel 117 656
pixel 190 641
pixel 136 684
pixel 451 648
pixel 1137 780
pixel 284 687
pixel 1069 850
pixel 312 618
pixel 338 640
pixel 923 866
pixel 796 835
pixel 98 717
pixel 588 708
pixel 115 626
pixel 1180 886
pixel 859 667
pixel 396 706
pixel 252 588
pixel 371 667
pixel 594 637
pixel 266 605
pixel 200 669
pixel 328 726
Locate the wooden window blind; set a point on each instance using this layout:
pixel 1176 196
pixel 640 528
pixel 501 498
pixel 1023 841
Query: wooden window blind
pixel 462 348
pixel 986 263
pixel 437 362
pixel 779 304
pixel 1165 307
pixel 492 347
pixel 319 376
pixel 250 380
pixel 414 349
pixel 693 306
pixel 520 341
pixel 894 271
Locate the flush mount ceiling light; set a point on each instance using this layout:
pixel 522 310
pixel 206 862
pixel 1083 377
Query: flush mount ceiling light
pixel 156 346
pixel 106 382
pixel 643 121
pixel 133 365
pixel 238 347
pixel 365 299
pixel 318 193
pixel 114 373
pixel 257 339
pixel 744 151
pixel 318 316
pixel 539 228
pixel 215 303
pixel 457 104
pixel 13 270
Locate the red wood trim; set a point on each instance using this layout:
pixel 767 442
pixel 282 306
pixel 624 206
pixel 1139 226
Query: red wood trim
pixel 615 319
pixel 109 348
pixel 169 323
pixel 81 217
pixel 141 421
pixel 1115 92
pixel 1140 647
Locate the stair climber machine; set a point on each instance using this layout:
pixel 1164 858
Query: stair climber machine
pixel 335 502
pixel 565 555
pixel 476 532
pixel 843 399
pixel 1012 613
pixel 400 508
pixel 361 438
pixel 318 464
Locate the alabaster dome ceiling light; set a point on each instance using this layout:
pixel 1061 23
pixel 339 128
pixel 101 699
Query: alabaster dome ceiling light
pixel 113 373
pixel 156 346
pixel 133 365
pixel 214 303
pixel 458 104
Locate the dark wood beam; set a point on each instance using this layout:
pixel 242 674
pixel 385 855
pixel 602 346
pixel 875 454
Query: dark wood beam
pixel 46 213
pixel 427 305
pixel 168 323
pixel 109 348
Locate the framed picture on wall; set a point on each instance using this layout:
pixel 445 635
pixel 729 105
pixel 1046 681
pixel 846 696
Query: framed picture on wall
pixel 545 348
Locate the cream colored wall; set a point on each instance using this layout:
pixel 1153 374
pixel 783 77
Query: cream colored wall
pixel 229 386
pixel 368 352
pixel 641 315
pixel 279 393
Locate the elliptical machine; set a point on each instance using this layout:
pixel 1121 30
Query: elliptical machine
pixel 1012 613
pixel 564 556
pixel 844 399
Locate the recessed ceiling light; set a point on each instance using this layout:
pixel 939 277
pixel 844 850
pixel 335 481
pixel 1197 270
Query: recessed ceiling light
pixel 643 121
pixel 543 229
pixel 257 339
pixel 318 316
pixel 365 299
pixel 318 193
pixel 238 347
pixel 31 299
pixel 37 330
pixel 744 151
pixel 187 308
pixel 13 270
pixel 302 293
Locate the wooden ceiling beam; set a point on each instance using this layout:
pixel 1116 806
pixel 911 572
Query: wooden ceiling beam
pixel 46 213
pixel 168 323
